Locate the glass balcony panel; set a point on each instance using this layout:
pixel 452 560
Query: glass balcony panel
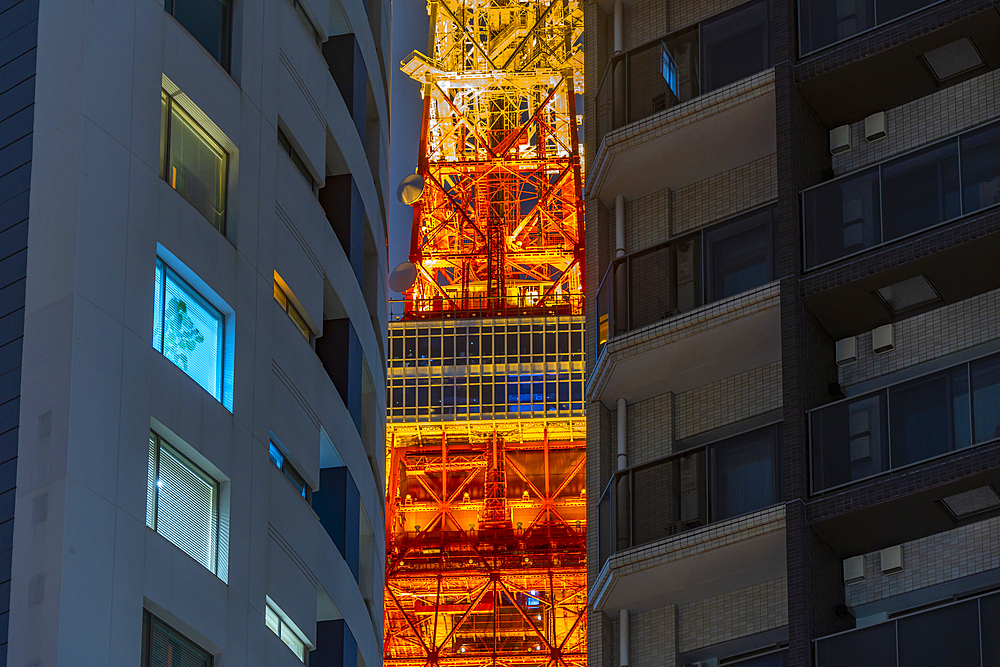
pixel 889 10
pixel 981 168
pixel 745 474
pixel 604 529
pixel 929 416
pixel 920 190
pixel 946 636
pixel 734 46
pixel 823 22
pixel 649 287
pixel 986 399
pixel 989 614
pixel 842 217
pixel 849 441
pixel 655 494
pixel 873 646
pixel 739 256
pixel 623 513
pixel 648 91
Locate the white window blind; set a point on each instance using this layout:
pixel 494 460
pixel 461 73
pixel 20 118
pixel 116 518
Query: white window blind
pixel 188 330
pixel 193 163
pixel 182 503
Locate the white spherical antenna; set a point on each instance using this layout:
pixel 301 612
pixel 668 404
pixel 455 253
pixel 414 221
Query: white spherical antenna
pixel 402 277
pixel 410 189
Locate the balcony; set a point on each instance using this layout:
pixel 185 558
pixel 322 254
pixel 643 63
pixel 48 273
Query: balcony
pixel 958 634
pixel 903 196
pixel 708 283
pixel 681 85
pixel 823 23
pixel 906 423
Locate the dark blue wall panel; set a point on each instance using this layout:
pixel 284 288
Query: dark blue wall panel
pixel 18 36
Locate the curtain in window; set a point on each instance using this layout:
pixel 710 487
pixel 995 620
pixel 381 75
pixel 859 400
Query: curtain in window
pixel 188 330
pixel 196 167
pixel 165 648
pixel 744 474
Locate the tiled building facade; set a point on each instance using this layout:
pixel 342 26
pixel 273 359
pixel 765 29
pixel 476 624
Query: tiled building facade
pixel 793 214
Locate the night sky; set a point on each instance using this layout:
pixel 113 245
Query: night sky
pixel 409 33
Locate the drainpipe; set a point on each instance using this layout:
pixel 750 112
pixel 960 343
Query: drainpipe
pixel 622 426
pixel 623 633
pixel 619 225
pixel 618 26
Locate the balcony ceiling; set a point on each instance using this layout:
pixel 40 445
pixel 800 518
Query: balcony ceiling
pixel 730 567
pixel 636 161
pixel 894 76
pixel 668 357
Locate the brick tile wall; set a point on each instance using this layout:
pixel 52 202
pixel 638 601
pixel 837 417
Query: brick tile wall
pixel 653 638
pixel 725 194
pixel 733 614
pixel 955 553
pixel 728 401
pixel 650 429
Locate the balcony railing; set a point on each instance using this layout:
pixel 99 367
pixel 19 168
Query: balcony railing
pixel 690 488
pixel 903 196
pixel 905 423
pixel 678 67
pixel 676 276
pixel 826 22
pixel 959 634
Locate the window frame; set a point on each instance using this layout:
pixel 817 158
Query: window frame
pixel 165 270
pixel 168 101
pixel 227 33
pixel 280 460
pixel 148 621
pixel 282 623
pixel 291 310
pixel 289 149
pixel 156 444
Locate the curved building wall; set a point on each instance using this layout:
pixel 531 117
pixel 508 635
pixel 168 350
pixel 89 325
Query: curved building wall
pixel 204 336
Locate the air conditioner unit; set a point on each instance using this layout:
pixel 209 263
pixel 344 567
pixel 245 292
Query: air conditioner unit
pixel 840 139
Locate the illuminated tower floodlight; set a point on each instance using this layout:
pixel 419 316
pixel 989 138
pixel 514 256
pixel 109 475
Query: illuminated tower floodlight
pixel 486 479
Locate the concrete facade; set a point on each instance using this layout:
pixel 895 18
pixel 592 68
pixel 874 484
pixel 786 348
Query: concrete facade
pixel 85 566
pixel 705 560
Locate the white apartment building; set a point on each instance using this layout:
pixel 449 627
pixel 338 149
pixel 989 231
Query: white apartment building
pixel 193 315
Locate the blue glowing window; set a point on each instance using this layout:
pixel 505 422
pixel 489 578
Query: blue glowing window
pixel 668 68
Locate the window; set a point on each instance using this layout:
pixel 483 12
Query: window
pixel 981 168
pixel 162 646
pixel 182 503
pixel 278 459
pixel 307 22
pixel 288 149
pixel 277 624
pixel 906 423
pixel 192 162
pixel 842 217
pixel 920 190
pixel 746 474
pixel 739 255
pixel 188 331
pixel 208 21
pixel 290 309
pixel 735 45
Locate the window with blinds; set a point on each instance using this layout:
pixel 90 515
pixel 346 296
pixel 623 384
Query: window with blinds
pixel 188 330
pixel 192 162
pixel 276 624
pixel 182 503
pixel 162 646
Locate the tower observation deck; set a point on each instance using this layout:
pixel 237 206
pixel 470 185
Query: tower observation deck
pixel 486 499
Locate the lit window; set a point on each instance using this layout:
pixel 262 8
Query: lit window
pixel 288 149
pixel 188 330
pixel 162 645
pixel 208 21
pixel 192 162
pixel 276 624
pixel 293 312
pixel 278 459
pixel 182 503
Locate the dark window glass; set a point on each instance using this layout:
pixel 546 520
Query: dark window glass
pixel 207 21
pixel 739 255
pixel 576 342
pixel 986 398
pixel 604 529
pixel 746 474
pixel 734 46
pixel 397 348
pixel 849 441
pixel 487 346
pixel 162 645
pixel 989 615
pixel 946 636
pixel 654 494
pixel 823 22
pixel 887 10
pixel 842 217
pixel 874 646
pixel 981 168
pixel 397 397
pixel 929 416
pixel 499 349
pixel 920 190
pixel 769 660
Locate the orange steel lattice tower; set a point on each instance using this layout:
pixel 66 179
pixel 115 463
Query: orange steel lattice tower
pixel 486 489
